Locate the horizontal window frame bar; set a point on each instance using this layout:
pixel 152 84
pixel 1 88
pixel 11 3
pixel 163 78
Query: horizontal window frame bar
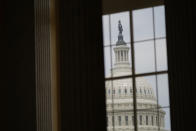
pixel 139 42
pixel 137 75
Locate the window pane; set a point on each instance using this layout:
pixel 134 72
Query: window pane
pixel 124 18
pixel 164 119
pixel 147 109
pixel 119 105
pixel 109 104
pixel 161 54
pixel 159 14
pixel 106 35
pixel 144 57
pixel 143 24
pixel 163 90
pixel 121 61
pixel 146 92
pixel 107 61
pixel 127 120
pixel 140 121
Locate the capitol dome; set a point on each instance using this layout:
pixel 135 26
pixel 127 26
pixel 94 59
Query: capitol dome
pixel 119 94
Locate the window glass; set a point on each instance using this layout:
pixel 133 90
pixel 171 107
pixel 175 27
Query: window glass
pixel 159 16
pixel 147 83
pixel 132 120
pixel 163 90
pixel 125 22
pixel 121 57
pixel 106 32
pixel 107 61
pixel 119 105
pixel 126 120
pixel 152 120
pixel 119 91
pixel 140 119
pixel 165 119
pixel 161 54
pixel 146 120
pixel 143 24
pixel 119 120
pixel 144 57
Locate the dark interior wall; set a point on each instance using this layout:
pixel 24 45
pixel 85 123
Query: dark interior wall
pixel 82 73
pixel 18 85
pixel 112 6
pixel 181 40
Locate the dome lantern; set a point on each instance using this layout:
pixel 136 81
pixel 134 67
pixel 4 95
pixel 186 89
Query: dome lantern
pixel 121 50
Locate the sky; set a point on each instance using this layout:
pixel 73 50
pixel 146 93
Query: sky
pixel 145 58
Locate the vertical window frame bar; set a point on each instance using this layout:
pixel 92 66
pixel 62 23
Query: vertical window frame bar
pixel 155 58
pixel 133 71
pixel 111 61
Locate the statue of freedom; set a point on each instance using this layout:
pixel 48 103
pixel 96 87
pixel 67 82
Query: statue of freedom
pixel 120 27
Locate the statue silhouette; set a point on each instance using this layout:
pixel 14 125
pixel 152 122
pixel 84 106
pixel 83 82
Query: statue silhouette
pixel 120 27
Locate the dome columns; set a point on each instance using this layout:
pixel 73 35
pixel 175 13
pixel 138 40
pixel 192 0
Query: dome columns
pixel 121 54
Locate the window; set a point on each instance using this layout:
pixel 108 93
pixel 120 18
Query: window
pixel 113 120
pixel 131 91
pixel 119 120
pixel 119 91
pixel 144 91
pixel 156 120
pixel 140 119
pixel 146 120
pixel 125 91
pixel 113 91
pixel 136 58
pixel 126 120
pixel 133 120
pixel 160 121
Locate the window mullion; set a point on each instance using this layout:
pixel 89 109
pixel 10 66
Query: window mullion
pixel 133 73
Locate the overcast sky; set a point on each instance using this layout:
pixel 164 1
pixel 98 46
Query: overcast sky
pixel 144 51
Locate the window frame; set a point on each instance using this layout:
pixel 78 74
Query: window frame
pixel 135 75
